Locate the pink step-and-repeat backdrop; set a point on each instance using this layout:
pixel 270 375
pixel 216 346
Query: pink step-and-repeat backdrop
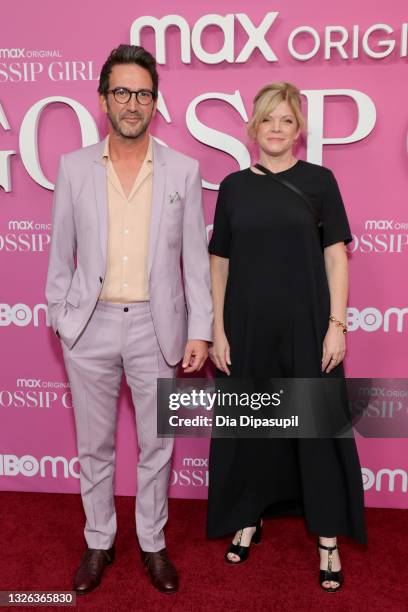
pixel 350 61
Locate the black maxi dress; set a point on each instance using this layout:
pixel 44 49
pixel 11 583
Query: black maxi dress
pixel 276 310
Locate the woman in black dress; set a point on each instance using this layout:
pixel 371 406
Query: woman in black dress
pixel 280 295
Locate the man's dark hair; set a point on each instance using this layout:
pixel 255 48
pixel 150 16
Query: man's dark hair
pixel 128 54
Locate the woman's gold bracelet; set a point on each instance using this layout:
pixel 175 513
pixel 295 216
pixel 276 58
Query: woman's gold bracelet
pixel 339 323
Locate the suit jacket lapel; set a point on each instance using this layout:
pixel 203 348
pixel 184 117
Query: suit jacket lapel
pixel 159 184
pixel 101 196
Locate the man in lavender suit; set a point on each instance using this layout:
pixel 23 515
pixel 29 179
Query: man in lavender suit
pixel 126 212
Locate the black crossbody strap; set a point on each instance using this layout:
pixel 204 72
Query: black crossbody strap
pixel 293 187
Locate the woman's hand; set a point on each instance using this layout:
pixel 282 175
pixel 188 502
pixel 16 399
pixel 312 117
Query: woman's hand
pixel 334 348
pixel 220 352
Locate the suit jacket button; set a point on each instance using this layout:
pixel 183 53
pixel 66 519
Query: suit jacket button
pixel 126 309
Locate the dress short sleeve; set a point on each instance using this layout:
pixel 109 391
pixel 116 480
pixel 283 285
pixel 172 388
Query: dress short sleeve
pixel 334 218
pixel 221 236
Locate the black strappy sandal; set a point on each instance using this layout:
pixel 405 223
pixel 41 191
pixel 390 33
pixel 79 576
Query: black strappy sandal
pixel 243 551
pixel 325 575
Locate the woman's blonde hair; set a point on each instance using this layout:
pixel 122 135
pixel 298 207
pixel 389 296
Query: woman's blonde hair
pixel 269 97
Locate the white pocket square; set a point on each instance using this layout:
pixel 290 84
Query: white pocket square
pixel 174 197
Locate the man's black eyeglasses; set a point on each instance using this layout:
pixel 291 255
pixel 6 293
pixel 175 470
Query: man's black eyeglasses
pixel 123 95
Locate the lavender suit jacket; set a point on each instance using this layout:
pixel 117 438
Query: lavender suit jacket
pixel 180 299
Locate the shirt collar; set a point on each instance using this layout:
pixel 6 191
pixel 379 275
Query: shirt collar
pixel 148 158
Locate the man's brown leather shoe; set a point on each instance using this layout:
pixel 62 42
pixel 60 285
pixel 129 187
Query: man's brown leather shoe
pixel 90 570
pixel 162 573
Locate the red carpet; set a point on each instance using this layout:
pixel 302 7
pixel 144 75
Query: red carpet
pixel 41 544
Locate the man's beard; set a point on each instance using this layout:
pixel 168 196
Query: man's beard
pixel 125 130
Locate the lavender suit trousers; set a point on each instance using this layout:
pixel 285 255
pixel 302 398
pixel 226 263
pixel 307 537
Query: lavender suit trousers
pixel 119 338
